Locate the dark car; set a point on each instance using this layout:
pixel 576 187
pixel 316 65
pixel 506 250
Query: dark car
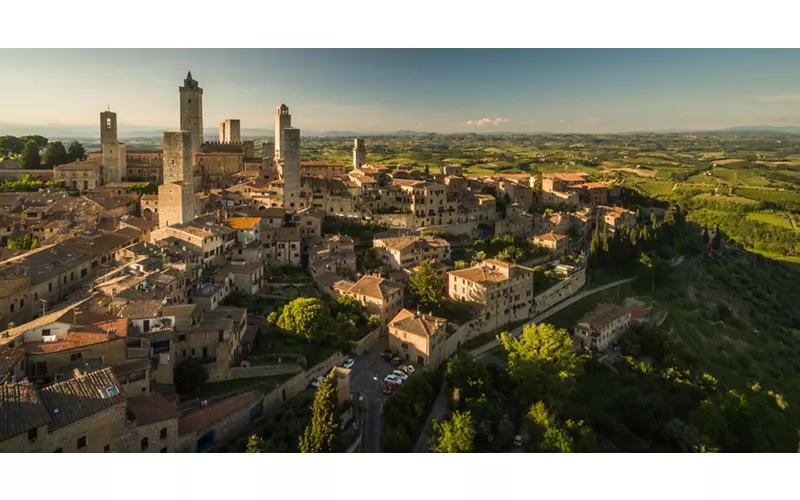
pixel 396 361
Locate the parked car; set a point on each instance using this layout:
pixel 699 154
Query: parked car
pixel 393 378
pixel 316 381
pixel 396 361
pixel 349 363
pixel 408 369
pixel 387 355
pixel 517 440
pixel 389 388
pixel 400 374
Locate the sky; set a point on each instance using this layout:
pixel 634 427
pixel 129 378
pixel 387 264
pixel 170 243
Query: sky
pixel 428 90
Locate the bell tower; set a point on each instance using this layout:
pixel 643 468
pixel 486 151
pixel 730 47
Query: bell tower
pixel 283 120
pixel 108 127
pixel 192 111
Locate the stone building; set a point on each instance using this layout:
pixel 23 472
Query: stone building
pixel 379 296
pixel 558 243
pixel 402 252
pixel 154 424
pixel 114 153
pixel 230 131
pixel 80 175
pixel 616 217
pixel 359 153
pixel 176 196
pixel 602 327
pixel 84 414
pixel 191 116
pixel 418 338
pixel 290 171
pixel 504 291
pixel 283 120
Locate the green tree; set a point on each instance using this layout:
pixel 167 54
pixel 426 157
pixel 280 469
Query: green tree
pixel 76 151
pixel 307 317
pixel 537 175
pixel 543 362
pixel 55 154
pixel 11 144
pixel 320 434
pixel 478 257
pixel 717 239
pixel 647 263
pixel 511 254
pixel 255 444
pixel 426 285
pixel 456 435
pixel 30 155
pixel 546 436
pixel 25 242
pixel 40 141
pixel 190 376
pixel 460 264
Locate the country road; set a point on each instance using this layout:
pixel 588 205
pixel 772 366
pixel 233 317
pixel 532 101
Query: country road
pixel 494 344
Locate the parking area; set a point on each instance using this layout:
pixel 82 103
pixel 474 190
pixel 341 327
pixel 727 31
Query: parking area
pixel 368 368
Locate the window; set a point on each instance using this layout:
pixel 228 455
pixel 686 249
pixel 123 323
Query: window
pixel 75 357
pixel 21 303
pixel 33 434
pixel 106 448
pixel 82 442
pixel 145 444
pixel 404 345
pixel 11 308
pixel 163 434
pixel 50 287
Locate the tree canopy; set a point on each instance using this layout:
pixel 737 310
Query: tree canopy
pixel 30 155
pixel 455 435
pixel 55 154
pixel 76 151
pixel 307 317
pixel 425 285
pixel 190 375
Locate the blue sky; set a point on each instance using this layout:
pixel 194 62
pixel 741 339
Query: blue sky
pixel 364 90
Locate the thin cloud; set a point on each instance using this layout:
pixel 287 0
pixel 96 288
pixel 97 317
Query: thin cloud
pixel 487 121
pixel 592 120
pixel 780 98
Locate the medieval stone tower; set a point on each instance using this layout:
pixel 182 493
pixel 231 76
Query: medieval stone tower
pixel 114 159
pixel 359 153
pixel 230 131
pixel 192 111
pixel 283 120
pixel 291 168
pixel 176 194
pixel 268 170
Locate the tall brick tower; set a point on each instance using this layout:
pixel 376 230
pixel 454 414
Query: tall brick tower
pixel 291 168
pixel 114 159
pixel 283 120
pixel 192 111
pixel 359 153
pixel 176 196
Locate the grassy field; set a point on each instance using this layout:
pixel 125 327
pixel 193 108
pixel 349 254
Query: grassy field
pixel 656 188
pixel 776 219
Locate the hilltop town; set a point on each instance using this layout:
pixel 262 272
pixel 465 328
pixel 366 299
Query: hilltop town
pixel 186 298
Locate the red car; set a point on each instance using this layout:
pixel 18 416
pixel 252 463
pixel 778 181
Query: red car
pixel 389 388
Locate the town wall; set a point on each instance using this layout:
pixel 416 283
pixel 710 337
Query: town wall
pixel 395 220
pixel 366 342
pixel 270 370
pixel 300 382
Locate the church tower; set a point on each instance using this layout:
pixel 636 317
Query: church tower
pixel 114 158
pixel 192 111
pixel 283 120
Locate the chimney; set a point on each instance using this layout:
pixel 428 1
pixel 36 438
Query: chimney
pixel 112 334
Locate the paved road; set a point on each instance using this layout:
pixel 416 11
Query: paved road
pixel 362 380
pixel 494 344
pixel 438 411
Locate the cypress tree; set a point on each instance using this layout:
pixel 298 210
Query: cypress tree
pixel 320 435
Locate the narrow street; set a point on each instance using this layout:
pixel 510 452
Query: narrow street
pixel 366 378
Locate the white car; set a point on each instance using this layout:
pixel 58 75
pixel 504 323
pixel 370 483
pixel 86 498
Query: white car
pixel 316 381
pixel 517 440
pixel 393 378
pixel 349 363
pixel 400 374
pixel 409 369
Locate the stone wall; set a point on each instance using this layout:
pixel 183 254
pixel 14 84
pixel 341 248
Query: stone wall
pixel 270 370
pixel 470 228
pixel 300 382
pixel 367 342
pixel 395 220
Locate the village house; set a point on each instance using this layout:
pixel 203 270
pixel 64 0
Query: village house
pixel 558 243
pixel 419 338
pixel 409 251
pixel 379 296
pixel 602 327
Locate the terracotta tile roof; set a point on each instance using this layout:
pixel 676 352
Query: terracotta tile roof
pixel 424 325
pixel 40 321
pixel 551 236
pixel 132 366
pixel 402 242
pixel 375 287
pixel 639 312
pixel 70 341
pixel 152 408
pixel 81 397
pixel 9 359
pixel 213 413
pixel 288 234
pixel 21 409
pixel 243 222
pixel 141 309
pixel 601 316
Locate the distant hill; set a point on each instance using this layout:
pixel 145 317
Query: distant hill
pixel 764 128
